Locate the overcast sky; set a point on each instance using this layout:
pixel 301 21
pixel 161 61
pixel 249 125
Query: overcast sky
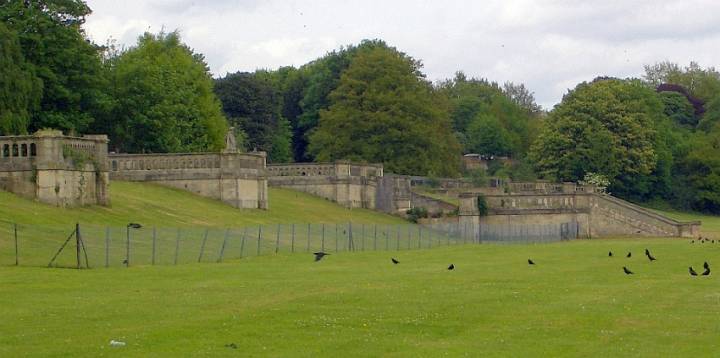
pixel 550 46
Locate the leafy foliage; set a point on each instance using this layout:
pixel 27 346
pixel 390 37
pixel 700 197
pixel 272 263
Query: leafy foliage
pixel 605 127
pixel 384 111
pixel 416 213
pixel 165 101
pixel 73 80
pixel 251 102
pixel 489 120
pixel 20 89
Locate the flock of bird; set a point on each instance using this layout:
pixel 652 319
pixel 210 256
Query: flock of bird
pixel 319 255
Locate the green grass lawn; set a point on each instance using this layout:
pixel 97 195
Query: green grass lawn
pixel 575 302
pixel 43 228
pixel 158 205
pixel 710 223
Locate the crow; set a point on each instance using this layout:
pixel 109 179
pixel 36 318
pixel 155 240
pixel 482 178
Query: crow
pixel 692 241
pixel 394 261
pixel 530 262
pixel 651 258
pixel 627 272
pixel 125 262
pixel 692 272
pixel 647 252
pixel 231 345
pixel 706 265
pixel 609 253
pixel 629 254
pixel 319 255
pixel 451 267
pixel 706 272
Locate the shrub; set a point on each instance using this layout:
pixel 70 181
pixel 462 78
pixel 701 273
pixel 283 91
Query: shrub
pixel 482 205
pixel 416 213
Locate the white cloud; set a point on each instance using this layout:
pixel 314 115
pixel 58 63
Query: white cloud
pixel 550 45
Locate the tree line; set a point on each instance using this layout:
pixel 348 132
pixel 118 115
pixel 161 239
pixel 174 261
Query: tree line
pixel 654 138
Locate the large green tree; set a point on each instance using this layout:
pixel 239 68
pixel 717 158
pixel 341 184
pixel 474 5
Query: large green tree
pixel 20 89
pixel 383 110
pixel 165 99
pixel 607 127
pixel 253 103
pixel 489 120
pixel 69 66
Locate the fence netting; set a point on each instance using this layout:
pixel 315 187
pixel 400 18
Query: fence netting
pixel 107 246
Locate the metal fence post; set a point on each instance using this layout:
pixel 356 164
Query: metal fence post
pixel 107 246
pixel 322 242
pixel 362 235
pixel 177 246
pixel 242 242
pixel 17 258
pixel 292 239
pixel 202 246
pixel 77 243
pixel 277 239
pixel 154 245
pixel 259 239
pixel 224 243
pixel 308 239
pixel 375 237
pixel 409 236
pixel 419 237
pixel 336 237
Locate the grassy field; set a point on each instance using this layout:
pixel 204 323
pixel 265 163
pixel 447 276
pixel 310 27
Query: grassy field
pixel 43 228
pixel 158 205
pixel 575 301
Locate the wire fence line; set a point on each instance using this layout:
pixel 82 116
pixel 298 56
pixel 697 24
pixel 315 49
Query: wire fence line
pixel 111 246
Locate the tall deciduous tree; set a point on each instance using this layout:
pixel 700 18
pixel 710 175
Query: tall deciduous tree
pixel 20 89
pixel 52 40
pixel 383 110
pixel 252 102
pixel 165 99
pixel 606 127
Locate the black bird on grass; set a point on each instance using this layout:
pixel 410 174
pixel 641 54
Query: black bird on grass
pixel 706 265
pixel 394 261
pixel 692 272
pixel 231 345
pixel 706 272
pixel 319 255
pixel 627 272
pixel 629 254
pixel 451 267
pixel 609 253
pixel 530 262
pixel 649 256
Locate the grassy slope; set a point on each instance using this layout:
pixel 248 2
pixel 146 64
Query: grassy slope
pixel 158 205
pixel 710 223
pixel 575 302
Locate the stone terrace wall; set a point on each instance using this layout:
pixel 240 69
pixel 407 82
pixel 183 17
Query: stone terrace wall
pixel 238 179
pixel 55 169
pixel 348 184
pixel 597 214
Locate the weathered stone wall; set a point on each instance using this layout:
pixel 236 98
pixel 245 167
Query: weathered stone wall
pixel 597 214
pixel 238 179
pixel 393 194
pixel 350 185
pixel 55 169
pixel 433 206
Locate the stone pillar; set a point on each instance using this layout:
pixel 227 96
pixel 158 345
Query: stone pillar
pixel 568 187
pixel 469 216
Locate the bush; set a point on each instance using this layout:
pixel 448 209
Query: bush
pixel 478 178
pixel 414 214
pixel 482 205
